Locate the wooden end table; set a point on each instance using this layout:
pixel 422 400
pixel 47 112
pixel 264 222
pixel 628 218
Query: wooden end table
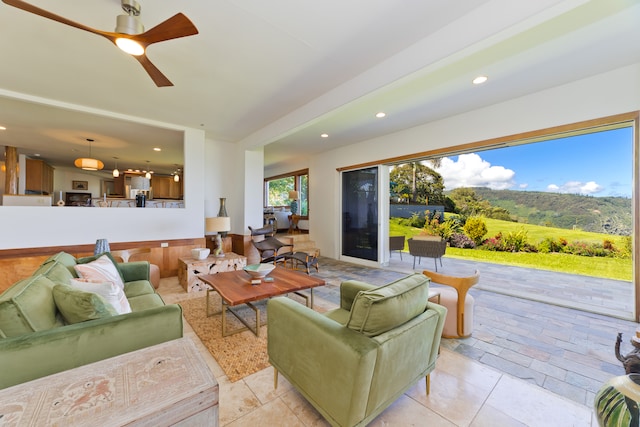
pixel 235 288
pixel 190 270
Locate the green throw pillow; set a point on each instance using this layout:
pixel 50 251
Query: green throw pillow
pixel 382 309
pixel 57 272
pixel 78 306
pixel 28 306
pixel 63 258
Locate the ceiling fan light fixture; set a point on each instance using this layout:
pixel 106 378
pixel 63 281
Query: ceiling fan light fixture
pixel 130 46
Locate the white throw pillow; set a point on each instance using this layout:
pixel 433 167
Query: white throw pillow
pixel 100 270
pixel 108 290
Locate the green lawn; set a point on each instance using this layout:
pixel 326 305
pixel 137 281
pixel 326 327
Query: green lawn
pixel 537 233
pixel 610 268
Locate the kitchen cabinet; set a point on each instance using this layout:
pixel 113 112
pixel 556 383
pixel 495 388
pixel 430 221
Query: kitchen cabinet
pixel 38 177
pixel 164 187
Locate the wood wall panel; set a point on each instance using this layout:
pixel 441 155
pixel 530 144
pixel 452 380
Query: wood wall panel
pixel 17 264
pixel 242 246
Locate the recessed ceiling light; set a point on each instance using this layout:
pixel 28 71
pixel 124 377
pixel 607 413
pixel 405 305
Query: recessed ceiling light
pixel 37 154
pixel 380 115
pixel 324 135
pixel 3 128
pixel 480 79
pixel 157 149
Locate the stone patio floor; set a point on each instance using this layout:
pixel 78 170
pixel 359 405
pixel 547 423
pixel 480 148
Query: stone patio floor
pixel 565 345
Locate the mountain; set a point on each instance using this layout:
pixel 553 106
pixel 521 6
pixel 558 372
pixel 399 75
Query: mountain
pixel 611 215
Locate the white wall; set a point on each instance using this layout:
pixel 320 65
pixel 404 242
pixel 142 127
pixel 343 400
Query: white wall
pixel 218 168
pixel 602 95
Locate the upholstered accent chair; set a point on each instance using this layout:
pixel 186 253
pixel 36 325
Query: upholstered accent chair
pixel 352 362
pixel 428 247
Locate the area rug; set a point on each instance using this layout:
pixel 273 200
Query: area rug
pixel 238 355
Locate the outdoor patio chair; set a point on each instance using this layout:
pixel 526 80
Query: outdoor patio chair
pixel 428 248
pixel 459 322
pixel 396 243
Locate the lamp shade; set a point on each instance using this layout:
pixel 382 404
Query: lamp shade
pixel 88 164
pixel 140 183
pixel 217 224
pixel 293 195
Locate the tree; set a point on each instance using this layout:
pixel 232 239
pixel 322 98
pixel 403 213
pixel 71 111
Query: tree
pixel 468 203
pixel 417 183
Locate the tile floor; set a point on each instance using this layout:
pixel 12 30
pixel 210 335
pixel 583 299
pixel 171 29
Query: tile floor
pixel 464 391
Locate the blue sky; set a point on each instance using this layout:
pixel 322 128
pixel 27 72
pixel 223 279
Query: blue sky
pixel 597 164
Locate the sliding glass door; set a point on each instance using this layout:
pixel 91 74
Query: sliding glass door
pixel 360 214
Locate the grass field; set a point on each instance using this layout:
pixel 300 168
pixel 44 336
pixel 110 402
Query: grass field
pixel 610 268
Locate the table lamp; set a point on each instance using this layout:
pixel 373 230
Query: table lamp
pixel 218 224
pixel 293 196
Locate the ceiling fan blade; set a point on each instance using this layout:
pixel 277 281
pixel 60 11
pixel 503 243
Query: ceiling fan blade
pixel 156 75
pixel 49 15
pixel 175 27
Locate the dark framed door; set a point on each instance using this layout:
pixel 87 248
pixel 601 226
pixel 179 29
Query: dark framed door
pixel 360 213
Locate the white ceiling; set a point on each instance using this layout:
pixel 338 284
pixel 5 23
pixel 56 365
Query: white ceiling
pixel 281 72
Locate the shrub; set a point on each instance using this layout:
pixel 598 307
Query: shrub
pixel 515 241
pixel 475 228
pixel 461 240
pixel 449 228
pixel 549 245
pixel 432 227
pixel 416 220
pixel 493 243
pixel 587 249
pixel 627 247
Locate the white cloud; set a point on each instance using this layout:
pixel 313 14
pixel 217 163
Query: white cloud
pixel 523 186
pixel 471 171
pixel 576 187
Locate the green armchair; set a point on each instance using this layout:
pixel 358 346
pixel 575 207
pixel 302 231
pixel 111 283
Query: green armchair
pixel 351 363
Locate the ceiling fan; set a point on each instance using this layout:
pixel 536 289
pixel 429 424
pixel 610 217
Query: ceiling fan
pixel 129 34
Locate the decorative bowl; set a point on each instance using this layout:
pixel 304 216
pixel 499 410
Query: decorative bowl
pixel 258 271
pixel 200 253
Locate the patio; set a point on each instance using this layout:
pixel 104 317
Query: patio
pixel 565 348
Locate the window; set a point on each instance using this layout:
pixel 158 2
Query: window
pixel 277 188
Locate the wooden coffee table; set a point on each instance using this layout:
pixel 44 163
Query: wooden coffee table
pixel 235 288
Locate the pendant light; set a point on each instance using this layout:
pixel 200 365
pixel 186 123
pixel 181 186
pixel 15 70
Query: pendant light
pixel 116 172
pixel 88 163
pixel 148 173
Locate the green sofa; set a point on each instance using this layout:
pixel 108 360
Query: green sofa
pixel 37 339
pixel 353 362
